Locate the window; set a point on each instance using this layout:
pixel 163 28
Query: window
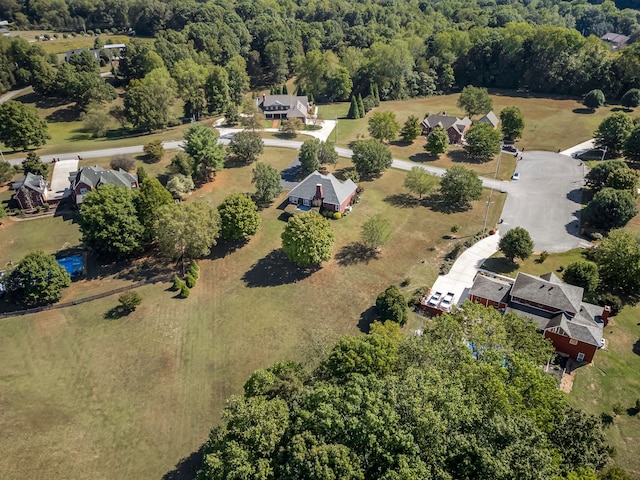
pixel 580 357
pixel 83 191
pixel 573 341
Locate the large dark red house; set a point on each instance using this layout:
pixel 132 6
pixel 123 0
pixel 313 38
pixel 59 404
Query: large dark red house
pixel 573 326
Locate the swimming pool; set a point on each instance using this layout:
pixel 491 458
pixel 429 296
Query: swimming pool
pixel 73 264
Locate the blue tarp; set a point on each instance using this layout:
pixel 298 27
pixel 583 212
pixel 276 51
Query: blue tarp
pixel 73 265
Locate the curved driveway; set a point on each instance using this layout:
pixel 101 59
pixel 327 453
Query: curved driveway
pixel 546 201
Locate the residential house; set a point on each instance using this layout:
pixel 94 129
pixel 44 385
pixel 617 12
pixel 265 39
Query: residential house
pixel 616 40
pixel 90 178
pixel 31 191
pixel 324 191
pixel 573 326
pixel 278 107
pixel 454 126
pixel 491 119
pixel 112 51
pixel 5 32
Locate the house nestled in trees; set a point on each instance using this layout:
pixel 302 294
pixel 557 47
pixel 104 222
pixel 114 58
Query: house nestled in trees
pixel 324 191
pixel 573 326
pixel 283 107
pixel 491 119
pixel 454 126
pixel 31 192
pixel 616 40
pixel 90 178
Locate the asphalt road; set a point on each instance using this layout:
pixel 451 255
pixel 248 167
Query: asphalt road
pixel 546 201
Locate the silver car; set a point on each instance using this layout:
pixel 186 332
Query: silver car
pixel 447 302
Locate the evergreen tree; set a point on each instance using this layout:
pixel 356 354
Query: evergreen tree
pixel 354 111
pixel 284 89
pixel 362 112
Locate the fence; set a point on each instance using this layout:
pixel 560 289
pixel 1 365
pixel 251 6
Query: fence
pixel 55 306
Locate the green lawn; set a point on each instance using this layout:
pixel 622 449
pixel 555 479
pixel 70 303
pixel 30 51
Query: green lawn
pixel 128 398
pixel 550 124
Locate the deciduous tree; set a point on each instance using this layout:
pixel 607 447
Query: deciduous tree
pixel 631 149
pixel 631 99
pixel 308 239
pixel 124 162
pixel 21 127
pixel 148 101
pixel 151 196
pixel 109 222
pixel 308 156
pixel 376 231
pixel 95 120
pixel 267 182
pixel 624 179
pixel 239 217
pixel 420 182
pixel 618 260
pixel 6 172
pixel 33 164
pixel 383 126
pixel 130 300
pixel 460 186
pixel 582 273
pixel 610 208
pixel 392 305
pixel 371 157
pixel 217 89
pixel 246 146
pixel 598 175
pixel 512 122
pixel 475 101
pixel 201 144
pixel 411 129
pixel 36 280
pixel 190 80
pixel 516 243
pixel 613 132
pixel 180 185
pixel 187 230
pixel 594 99
pixel 154 150
pixel 482 142
pixel 437 141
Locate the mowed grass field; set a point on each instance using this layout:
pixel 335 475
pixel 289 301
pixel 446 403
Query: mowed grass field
pixel 550 123
pixel 613 377
pixel 85 397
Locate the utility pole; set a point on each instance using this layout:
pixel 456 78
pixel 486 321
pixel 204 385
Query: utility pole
pixel 336 130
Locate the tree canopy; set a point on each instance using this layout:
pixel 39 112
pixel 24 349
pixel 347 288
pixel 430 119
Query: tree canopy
pixel 420 182
pixel 460 186
pixel 411 129
pixel 598 175
pixel 148 101
pixel 308 239
pixel 38 279
pixel 465 400
pixel 610 208
pixel 109 222
pixel 246 146
pixel 594 99
pixel 618 260
pixel 21 127
pixel 582 273
pixel 613 132
pixel 482 142
pixel 512 122
pixel 376 231
pixel 516 243
pixel 383 126
pixel 475 101
pixel 437 141
pixel 392 305
pixel 239 217
pixel 371 157
pixel 201 144
pixel 267 182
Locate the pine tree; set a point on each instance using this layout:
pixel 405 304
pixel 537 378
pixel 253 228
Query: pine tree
pixel 373 93
pixel 361 111
pixel 271 90
pixel 377 93
pixel 300 91
pixel 354 111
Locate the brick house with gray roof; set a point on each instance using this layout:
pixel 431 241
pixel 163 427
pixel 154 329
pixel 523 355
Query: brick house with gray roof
pixel 324 191
pixel 31 192
pixel 454 126
pixel 90 178
pixel 573 326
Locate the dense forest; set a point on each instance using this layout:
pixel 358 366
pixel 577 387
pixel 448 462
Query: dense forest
pixel 467 400
pixel 407 48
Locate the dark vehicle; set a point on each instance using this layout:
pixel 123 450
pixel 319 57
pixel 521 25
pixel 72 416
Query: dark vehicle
pixel 509 148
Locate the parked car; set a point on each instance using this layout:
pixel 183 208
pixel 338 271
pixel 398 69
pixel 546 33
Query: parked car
pixel 516 176
pixel 435 299
pixel 509 148
pixel 447 302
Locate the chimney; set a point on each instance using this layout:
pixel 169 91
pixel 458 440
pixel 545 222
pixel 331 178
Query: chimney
pixel 318 194
pixel 606 311
pixel 264 97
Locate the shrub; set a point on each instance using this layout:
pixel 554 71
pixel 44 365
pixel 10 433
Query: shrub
pixel 417 295
pixel 596 236
pixel 337 216
pixel 351 175
pixel 184 291
pixel 543 256
pixel 406 282
pixel 177 283
pixel 154 150
pixel 455 228
pixel 617 408
pixel 130 300
pixel 613 301
pixel 194 269
pixel 190 281
pixel 124 162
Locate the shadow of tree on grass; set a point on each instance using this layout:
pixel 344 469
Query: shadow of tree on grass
pixel 275 269
pixel 355 253
pixel 402 200
pixel 636 348
pixel 499 265
pixel 186 468
pixel 367 317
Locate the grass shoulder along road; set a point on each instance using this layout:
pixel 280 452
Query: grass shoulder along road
pixel 97 397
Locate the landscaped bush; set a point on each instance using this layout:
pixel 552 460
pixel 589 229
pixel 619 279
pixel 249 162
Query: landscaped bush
pixel 177 283
pixel 337 216
pixel 190 281
pixel 130 300
pixel 194 269
pixel 154 150
pixel 614 301
pixel 417 295
pixel 184 291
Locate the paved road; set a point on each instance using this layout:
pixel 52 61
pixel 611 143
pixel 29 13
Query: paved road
pixel 546 201
pixel 12 93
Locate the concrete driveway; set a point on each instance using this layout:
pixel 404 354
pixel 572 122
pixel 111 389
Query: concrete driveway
pixel 546 201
